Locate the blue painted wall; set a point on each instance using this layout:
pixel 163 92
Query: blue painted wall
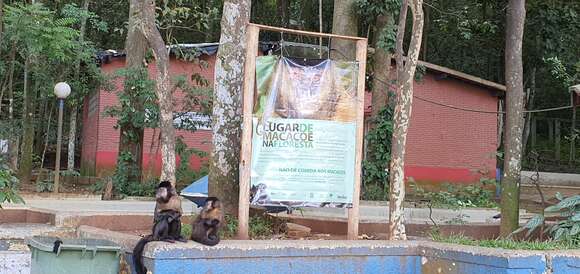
pixel 287 265
pixel 352 257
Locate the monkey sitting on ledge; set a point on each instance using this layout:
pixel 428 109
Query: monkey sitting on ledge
pixel 206 225
pixel 167 222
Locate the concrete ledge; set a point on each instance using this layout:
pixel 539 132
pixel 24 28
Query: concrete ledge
pixel 281 256
pixel 284 257
pixel 468 259
pixel 552 179
pixel 566 263
pixel 15 262
pixel 411 257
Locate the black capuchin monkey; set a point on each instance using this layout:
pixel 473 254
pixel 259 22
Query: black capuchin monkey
pixel 167 223
pixel 206 225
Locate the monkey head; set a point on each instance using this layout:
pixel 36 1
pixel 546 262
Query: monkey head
pixel 211 214
pixel 164 192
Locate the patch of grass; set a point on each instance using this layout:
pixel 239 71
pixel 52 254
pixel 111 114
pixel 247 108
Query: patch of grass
pixel 505 243
pixel 259 227
pixel 186 231
pixel 459 196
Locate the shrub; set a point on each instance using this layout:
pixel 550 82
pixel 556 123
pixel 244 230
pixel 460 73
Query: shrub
pixel 375 165
pixel 459 196
pixel 567 226
pixel 8 185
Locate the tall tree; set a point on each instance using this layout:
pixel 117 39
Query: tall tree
pixel 344 22
pixel 163 90
pixel 25 165
pixel 381 65
pixel 131 136
pixel 282 10
pixel 227 105
pixel 510 194
pixel 1 20
pixel 73 113
pixel 402 114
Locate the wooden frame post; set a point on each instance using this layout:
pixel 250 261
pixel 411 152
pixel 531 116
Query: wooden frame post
pixel 252 32
pixel 353 213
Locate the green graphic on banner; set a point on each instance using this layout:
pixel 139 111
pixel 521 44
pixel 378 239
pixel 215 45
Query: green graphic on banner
pixel 302 161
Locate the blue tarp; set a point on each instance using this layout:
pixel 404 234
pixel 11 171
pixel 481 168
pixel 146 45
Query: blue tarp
pixel 197 192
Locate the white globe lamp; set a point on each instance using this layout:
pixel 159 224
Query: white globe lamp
pixel 62 90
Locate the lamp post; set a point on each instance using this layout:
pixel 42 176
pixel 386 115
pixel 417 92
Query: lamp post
pixel 61 90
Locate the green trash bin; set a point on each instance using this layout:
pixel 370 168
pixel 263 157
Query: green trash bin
pixel 73 256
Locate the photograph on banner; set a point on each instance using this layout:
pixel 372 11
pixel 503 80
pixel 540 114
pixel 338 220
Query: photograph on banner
pixel 304 132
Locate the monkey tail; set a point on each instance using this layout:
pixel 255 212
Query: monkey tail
pixel 209 241
pixel 138 254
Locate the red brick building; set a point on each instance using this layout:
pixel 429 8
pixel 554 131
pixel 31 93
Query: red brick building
pixel 444 144
pixel 100 139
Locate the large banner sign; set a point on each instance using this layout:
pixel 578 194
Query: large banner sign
pixel 304 132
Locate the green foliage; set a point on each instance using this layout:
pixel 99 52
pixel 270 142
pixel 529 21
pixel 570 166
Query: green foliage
pixel 375 166
pixel 188 15
pixel 566 229
pixel 38 32
pixel 8 186
pixel 145 189
pixel 137 106
pixel 186 230
pixel 559 71
pixel 230 228
pixel 369 10
pixel 184 174
pixel 388 38
pixel 459 196
pixel 123 186
pixel 505 243
pixel 45 186
pixel 259 227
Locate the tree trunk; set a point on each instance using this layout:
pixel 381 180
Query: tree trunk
pixel 557 141
pixel 424 43
pixel 1 21
pixel 163 91
pixel 344 22
pixel 74 110
pixel 227 105
pixel 46 138
pixel 510 194
pixel 131 138
pixel 282 9
pixel 530 105
pixel 25 167
pixel 382 68
pixel 14 143
pixel 7 83
pixel 71 140
pixel 402 115
pixel 574 134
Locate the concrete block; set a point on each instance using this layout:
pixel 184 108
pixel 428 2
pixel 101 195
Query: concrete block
pixel 15 262
pixel 565 263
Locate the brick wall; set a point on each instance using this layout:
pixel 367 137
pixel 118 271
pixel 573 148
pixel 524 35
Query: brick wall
pixel 443 144
pixel 447 144
pixel 99 152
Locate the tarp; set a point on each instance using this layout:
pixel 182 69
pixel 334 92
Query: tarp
pixel 197 191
